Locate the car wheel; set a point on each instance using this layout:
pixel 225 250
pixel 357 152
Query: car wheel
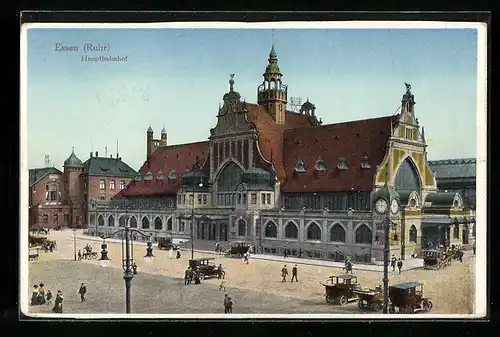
pixel 360 304
pixel 329 299
pixel 202 276
pixel 376 306
pixel 342 300
pixel 428 306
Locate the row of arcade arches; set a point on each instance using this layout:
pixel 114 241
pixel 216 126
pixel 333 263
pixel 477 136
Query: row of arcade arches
pixel 145 222
pixel 337 232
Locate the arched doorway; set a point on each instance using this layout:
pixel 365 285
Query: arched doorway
pixel 291 230
pixel 271 230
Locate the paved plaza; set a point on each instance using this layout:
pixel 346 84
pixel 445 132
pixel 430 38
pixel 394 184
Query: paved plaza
pixel 255 288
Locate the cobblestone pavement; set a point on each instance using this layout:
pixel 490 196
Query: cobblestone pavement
pixel 157 294
pixel 451 289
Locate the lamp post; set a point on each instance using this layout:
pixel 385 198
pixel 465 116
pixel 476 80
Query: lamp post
pixel 386 202
pixel 127 257
pixel 192 210
pixel 74 243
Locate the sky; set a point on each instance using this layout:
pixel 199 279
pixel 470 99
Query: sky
pixel 176 78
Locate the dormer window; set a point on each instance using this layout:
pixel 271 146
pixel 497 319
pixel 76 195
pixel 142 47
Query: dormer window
pixel 160 175
pixel 172 175
pixel 149 176
pixel 365 163
pixel 137 177
pixel 299 168
pixel 342 164
pixel 320 165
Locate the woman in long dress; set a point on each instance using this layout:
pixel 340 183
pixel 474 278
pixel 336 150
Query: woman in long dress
pixel 34 296
pixel 58 307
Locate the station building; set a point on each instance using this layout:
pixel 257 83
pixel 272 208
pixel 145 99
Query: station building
pixel 280 180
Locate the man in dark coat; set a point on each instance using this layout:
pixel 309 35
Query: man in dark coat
pixel 400 265
pixel 82 291
pixel 294 273
pixel 393 263
pixel 284 273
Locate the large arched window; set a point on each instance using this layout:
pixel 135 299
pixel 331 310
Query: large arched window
pixel 413 234
pixel 133 222
pixel 100 220
pixel 291 231
pixel 111 221
pixel 407 178
pixel 337 233
pixel 53 192
pixel 121 221
pixel 158 223
pixel 169 224
pixel 242 227
pixel 363 235
pixel 313 232
pixel 229 178
pixel 145 223
pixel 271 230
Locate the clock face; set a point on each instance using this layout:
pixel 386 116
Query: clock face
pixel 394 206
pixel 381 206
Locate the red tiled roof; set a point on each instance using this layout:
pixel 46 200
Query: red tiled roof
pixel 351 140
pixel 271 134
pixel 167 158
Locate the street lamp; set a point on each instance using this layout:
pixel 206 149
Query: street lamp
pixel 127 257
pixel 74 243
pixel 386 202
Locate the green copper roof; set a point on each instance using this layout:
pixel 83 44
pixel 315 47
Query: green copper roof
pixel 272 54
pixel 272 68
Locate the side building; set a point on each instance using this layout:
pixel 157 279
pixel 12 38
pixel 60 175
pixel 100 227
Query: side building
pixel 60 198
pixel 282 180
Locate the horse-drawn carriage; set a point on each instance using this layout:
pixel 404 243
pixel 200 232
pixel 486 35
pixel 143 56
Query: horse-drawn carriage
pixel 33 254
pixel 370 298
pixel 36 240
pixel 166 243
pixel 88 254
pixel 341 289
pixel 436 259
pixel 207 267
pixel 408 297
pixel 238 249
pixel 49 245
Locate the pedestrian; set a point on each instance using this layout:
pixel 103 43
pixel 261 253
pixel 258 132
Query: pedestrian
pixel 178 255
pixel 460 255
pixel 34 296
pixel 79 254
pixel 41 294
pixel 393 263
pixel 348 267
pixel 49 297
pixel 300 252
pixel 186 276
pixel 171 253
pixel 222 286
pixel 197 276
pixel 134 267
pixel 474 248
pixel 285 253
pixel 245 258
pixel 400 265
pixel 229 305
pixel 82 291
pixel 191 275
pixel 219 272
pixel 58 307
pixel 284 273
pixel 294 273
pixel 225 303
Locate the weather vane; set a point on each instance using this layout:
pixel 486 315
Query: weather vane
pixel 408 86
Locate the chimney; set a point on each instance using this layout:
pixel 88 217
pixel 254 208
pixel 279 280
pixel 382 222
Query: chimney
pixel 97 154
pixel 90 154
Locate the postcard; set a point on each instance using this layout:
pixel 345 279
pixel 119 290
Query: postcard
pixel 253 170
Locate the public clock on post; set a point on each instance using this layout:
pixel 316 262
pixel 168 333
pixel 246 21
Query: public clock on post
pixel 381 206
pixel 394 206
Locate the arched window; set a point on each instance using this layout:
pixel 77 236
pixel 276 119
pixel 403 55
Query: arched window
pixel 271 230
pixel 100 220
pixel 121 221
pixel 158 223
pixel 313 232
pixel 133 222
pixel 413 234
pixel 145 223
pixel 407 178
pixel 111 221
pixel 169 224
pixel 337 233
pixel 55 219
pixel 363 235
pixel 291 231
pixel 229 178
pixel 45 218
pixel 242 227
pixel 53 192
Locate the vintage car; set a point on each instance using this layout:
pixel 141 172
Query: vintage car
pixel 408 298
pixel 340 289
pixel 436 259
pixel 238 249
pixel 166 243
pixel 370 298
pixel 207 266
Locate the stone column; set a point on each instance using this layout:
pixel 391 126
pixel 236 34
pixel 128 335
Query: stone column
pixel 212 168
pixel 301 228
pixel 250 152
pixel 350 239
pixel 324 231
pixel 280 228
